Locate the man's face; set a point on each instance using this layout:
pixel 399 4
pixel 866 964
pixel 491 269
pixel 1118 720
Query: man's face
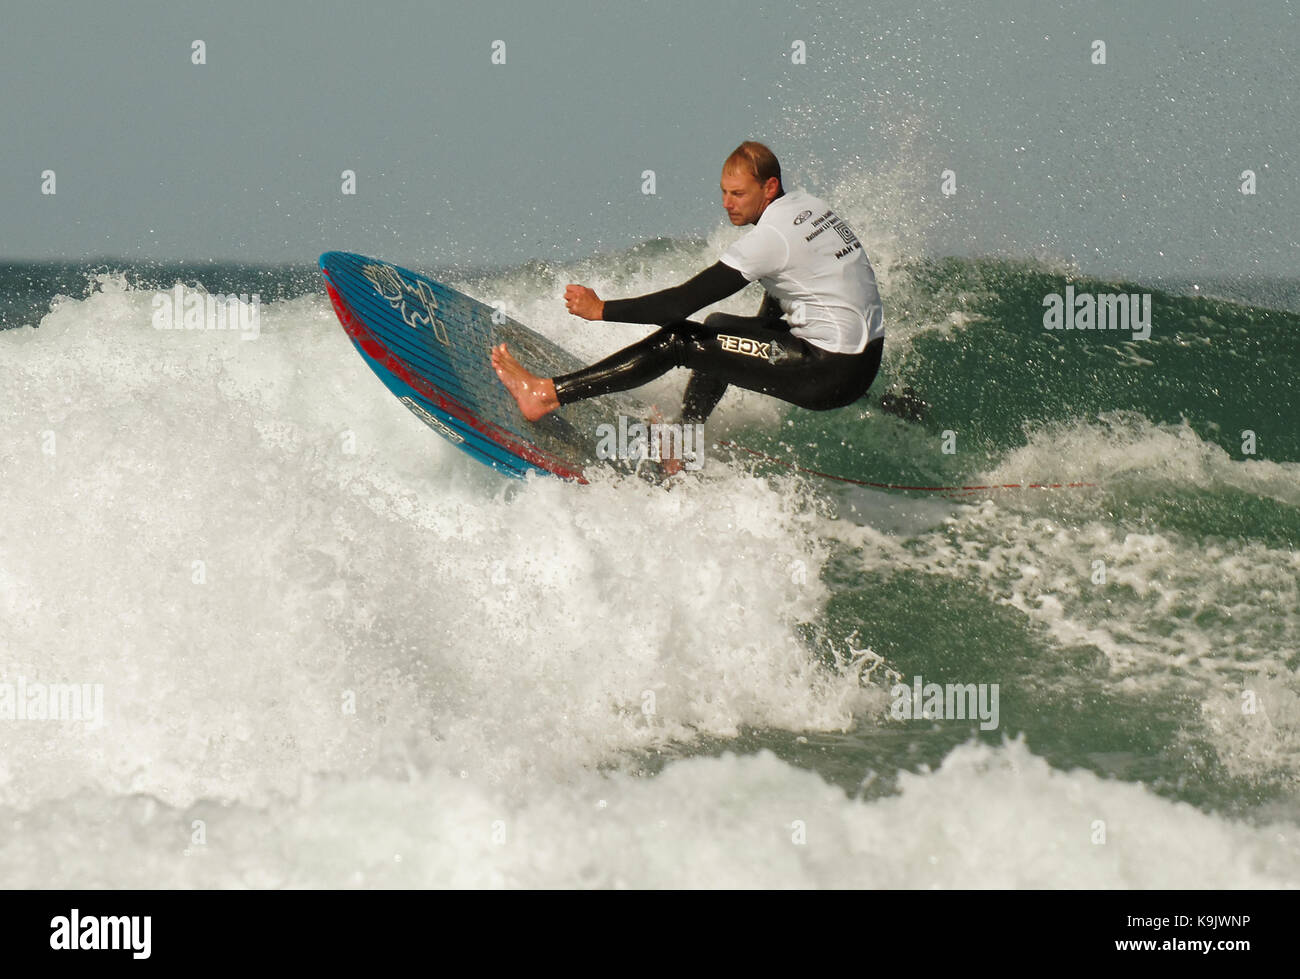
pixel 744 198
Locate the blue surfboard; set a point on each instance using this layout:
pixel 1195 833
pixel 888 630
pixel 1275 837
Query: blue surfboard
pixel 431 346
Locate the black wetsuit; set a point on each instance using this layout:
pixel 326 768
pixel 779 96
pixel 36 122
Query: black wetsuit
pixel 757 353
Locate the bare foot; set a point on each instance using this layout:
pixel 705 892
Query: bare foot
pixel 669 465
pixel 534 395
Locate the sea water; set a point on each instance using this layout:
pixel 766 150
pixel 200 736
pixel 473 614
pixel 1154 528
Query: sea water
pixel 332 650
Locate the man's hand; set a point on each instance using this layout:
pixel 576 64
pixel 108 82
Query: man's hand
pixel 584 302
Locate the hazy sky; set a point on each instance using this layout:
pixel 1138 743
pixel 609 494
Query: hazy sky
pixel 1129 167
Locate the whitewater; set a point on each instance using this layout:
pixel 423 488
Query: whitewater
pixel 336 652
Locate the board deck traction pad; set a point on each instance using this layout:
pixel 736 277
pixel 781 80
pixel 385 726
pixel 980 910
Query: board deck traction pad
pixel 431 346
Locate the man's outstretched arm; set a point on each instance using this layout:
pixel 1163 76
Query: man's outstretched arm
pixel 714 284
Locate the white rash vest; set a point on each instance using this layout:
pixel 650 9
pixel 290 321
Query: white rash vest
pixel 812 263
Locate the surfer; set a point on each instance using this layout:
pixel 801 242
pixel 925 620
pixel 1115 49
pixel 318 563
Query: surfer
pixel 816 341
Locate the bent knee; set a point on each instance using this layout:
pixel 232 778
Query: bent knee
pixel 670 345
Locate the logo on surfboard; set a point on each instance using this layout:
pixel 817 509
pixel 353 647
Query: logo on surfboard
pixel 389 283
pixel 431 420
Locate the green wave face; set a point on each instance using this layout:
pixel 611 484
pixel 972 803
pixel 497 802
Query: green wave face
pixel 1129 620
pixel 1221 367
pixel 1187 426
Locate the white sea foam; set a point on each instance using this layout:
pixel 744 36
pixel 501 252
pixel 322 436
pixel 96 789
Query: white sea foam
pixel 200 543
pixel 337 659
pixel 987 818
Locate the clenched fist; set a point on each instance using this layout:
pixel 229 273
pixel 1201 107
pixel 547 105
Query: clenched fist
pixel 583 302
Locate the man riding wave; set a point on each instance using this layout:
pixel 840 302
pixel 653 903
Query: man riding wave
pixel 817 339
